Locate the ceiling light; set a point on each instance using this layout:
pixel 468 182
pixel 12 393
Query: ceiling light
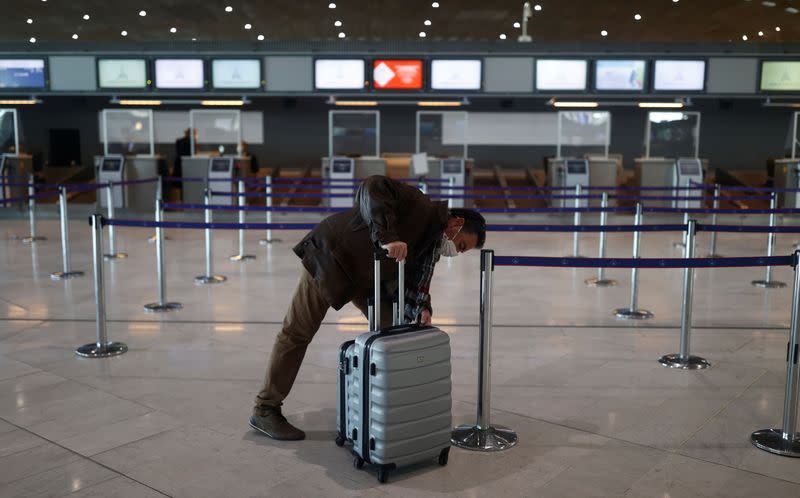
pixel 173 30
pixel 777 28
pixel 260 37
pixel 791 10
pixel 228 9
pixel 86 17
pixel 516 25
pixel 638 17
pixel 556 103
pixel 124 33
pixel 760 33
pixel 75 36
pixel 674 1
pixel 661 105
pixel 435 5
pixel 331 5
pixel 29 21
pixel 248 26
pixel 194 39
pixel 443 103
pixel 537 7
pixel 768 4
pixel 603 33
pixel 502 36
pixel 422 34
pixel 138 102
pixel 32 40
pixel 20 101
pixel 337 23
pixel 744 37
pixel 341 34
pixel 221 102
pixel 357 103
pixel 142 13
pixel 427 22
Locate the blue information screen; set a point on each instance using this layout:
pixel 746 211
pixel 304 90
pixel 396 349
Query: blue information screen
pixel 22 73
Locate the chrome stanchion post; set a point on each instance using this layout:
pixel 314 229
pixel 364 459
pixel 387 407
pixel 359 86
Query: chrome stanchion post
pixel 32 212
pixel 268 191
pixel 682 243
pixel 632 312
pixel 712 249
pixel 600 280
pixel 241 256
pixel 450 182
pixel 160 196
pixel 483 436
pixel 101 348
pixel 65 253
pixel 684 360
pixel 209 277
pixel 162 305
pixel 112 239
pixel 576 221
pixel 768 283
pixel 786 440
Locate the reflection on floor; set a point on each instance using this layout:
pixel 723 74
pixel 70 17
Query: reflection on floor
pixel 596 414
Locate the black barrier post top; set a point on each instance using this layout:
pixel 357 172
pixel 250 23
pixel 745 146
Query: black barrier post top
pixel 484 252
pixel 795 259
pixel 100 217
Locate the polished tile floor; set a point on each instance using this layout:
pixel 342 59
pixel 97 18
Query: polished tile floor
pixel 595 413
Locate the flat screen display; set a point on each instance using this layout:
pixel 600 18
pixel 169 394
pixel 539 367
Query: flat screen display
pixel 21 73
pixel 561 74
pixel 342 165
pixel 397 74
pixel 111 164
pixel 339 74
pixel 456 74
pixel 230 73
pixel 781 76
pixel 179 74
pixel 576 167
pixel 672 75
pixel 689 167
pixel 221 165
pixel 122 73
pixel 610 74
pixel 452 166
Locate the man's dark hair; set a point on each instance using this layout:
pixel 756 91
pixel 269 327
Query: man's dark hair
pixel 474 222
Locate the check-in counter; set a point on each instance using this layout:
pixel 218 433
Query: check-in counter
pixel 658 172
pixel 17 165
pixel 365 166
pixel 604 172
pixel 140 196
pixel 787 175
pixel 197 167
pixel 435 169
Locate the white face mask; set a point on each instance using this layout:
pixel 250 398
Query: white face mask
pixel 448 247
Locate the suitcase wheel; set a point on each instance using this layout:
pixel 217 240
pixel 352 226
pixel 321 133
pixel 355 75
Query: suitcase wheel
pixel 358 462
pixel 443 456
pixel 339 440
pixel 383 473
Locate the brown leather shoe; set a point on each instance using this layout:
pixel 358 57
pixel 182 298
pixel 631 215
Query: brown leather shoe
pixel 274 424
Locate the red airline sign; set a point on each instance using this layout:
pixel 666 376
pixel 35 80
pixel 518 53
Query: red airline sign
pixel 397 74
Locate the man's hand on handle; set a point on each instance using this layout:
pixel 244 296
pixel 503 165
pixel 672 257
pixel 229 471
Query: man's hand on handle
pixel 425 317
pixel 397 250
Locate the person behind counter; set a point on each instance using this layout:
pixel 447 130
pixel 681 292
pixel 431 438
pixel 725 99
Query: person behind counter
pixel 183 147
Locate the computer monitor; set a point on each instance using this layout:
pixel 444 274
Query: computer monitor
pixel 221 164
pixel 342 165
pixel 111 164
pixel 576 167
pixel 688 167
pixel 452 166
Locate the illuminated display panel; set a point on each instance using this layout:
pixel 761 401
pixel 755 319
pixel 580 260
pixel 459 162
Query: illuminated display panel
pixel 456 74
pixel 339 74
pixel 619 75
pixel 403 74
pixel 561 74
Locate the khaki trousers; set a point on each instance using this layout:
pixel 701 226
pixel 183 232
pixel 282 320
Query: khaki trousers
pixel 303 319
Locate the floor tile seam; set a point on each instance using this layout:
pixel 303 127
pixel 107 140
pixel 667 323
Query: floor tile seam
pixel 12 303
pixel 111 393
pixel 723 408
pixel 733 467
pixel 91 459
pixel 115 475
pixel 42 441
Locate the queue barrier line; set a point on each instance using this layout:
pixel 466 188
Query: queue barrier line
pixel 202 225
pixel 748 229
pixel 739 262
pixel 43 195
pixel 585 228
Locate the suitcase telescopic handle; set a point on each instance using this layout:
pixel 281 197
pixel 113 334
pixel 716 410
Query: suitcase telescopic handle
pixel 375 323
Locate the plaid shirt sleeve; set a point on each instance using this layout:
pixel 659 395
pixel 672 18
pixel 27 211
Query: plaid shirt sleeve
pixel 418 286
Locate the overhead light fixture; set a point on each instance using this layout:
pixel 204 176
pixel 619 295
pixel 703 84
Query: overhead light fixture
pixel 75 36
pixel 516 25
pixel 30 101
pixel 337 23
pixel 135 102
pixel 760 33
pixel 767 3
pixel 576 105
pixel 341 34
pixel 435 5
pixel 427 22
pixel 661 105
pixel 537 7
pixel 248 26
pixel 260 37
pixel 502 36
pixel 356 103
pixel 603 33
pixel 422 34
pixel 32 40
pixel 331 5
pixel 777 28
pixel 637 17
pixel 791 10
pixel 397 102
pixel 440 103
pixel 744 37
pixel 124 33
pixel 173 30
pixel 221 103
pixel 29 21
pixel 142 13
pixel 86 17
pixel 229 9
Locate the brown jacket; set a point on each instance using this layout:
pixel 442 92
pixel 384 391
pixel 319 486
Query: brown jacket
pixel 338 251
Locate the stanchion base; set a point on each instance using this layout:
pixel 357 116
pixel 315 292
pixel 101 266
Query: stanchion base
pixel 116 255
pixel 31 240
pixel 162 308
pixel 768 284
pixel 596 282
pixel 772 440
pixel 690 363
pixel 679 245
pixel 574 256
pixel 209 279
pixel 96 350
pixel 494 438
pixel 629 314
pixel 241 257
pixel 266 242
pixel 60 275
pixel 152 239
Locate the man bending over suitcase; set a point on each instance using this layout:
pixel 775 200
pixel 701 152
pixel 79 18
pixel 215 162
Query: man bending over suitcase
pixel 337 260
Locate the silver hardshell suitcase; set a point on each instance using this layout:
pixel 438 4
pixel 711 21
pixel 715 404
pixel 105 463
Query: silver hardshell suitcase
pixel 394 394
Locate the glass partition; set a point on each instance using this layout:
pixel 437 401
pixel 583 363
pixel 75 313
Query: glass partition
pixel 9 131
pixel 216 131
pixel 442 133
pixel 795 138
pixel 582 133
pixel 127 131
pixel 672 134
pixel 354 133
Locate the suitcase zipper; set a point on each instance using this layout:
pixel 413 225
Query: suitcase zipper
pixel 343 389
